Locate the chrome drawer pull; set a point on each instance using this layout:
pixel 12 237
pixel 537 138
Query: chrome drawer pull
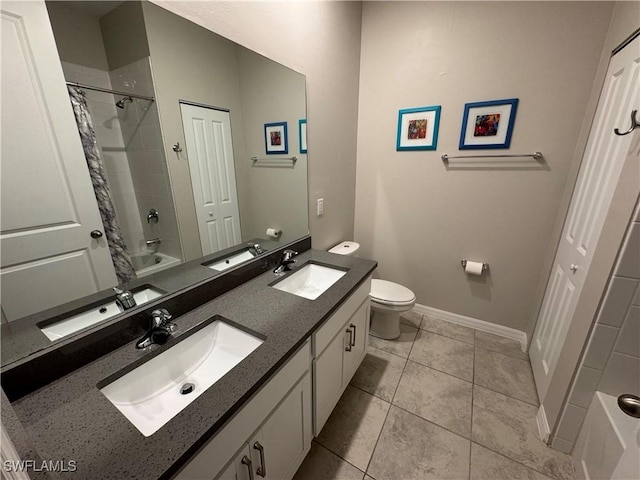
pixel 348 347
pixel 262 469
pixel 247 461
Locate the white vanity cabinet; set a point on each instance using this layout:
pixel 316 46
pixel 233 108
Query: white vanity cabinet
pixel 269 437
pixel 339 347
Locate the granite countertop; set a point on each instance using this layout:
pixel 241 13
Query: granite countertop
pixel 23 337
pixel 70 419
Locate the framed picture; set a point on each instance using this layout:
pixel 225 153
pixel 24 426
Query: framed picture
pixel 418 128
pixel 488 124
pixel 302 132
pixel 275 138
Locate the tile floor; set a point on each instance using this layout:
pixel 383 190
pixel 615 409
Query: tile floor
pixel 443 401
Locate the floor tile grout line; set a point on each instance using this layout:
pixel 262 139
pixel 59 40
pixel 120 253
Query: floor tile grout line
pixel 337 455
pixel 386 351
pixel 506 395
pixel 473 384
pixel 430 421
pixel 525 360
pixel 442 371
pixel 390 405
pixel 552 477
pixel 513 460
pixel 449 336
pixel 370 393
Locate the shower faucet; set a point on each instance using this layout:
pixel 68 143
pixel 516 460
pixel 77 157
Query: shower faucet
pixel 153 216
pixel 155 241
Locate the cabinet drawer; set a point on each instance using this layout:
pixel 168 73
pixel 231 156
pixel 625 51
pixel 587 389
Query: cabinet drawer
pixel 329 329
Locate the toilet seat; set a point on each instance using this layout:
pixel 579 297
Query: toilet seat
pixel 388 293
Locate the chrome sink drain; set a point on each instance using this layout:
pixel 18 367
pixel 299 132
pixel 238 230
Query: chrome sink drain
pixel 187 388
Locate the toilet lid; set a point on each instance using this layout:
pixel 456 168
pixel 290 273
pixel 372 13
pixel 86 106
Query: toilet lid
pixel 390 293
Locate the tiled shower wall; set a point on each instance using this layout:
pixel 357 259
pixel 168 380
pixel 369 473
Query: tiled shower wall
pixel 611 363
pixel 112 148
pixel 143 142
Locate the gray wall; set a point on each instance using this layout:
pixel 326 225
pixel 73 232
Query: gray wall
pixel 124 35
pixel 78 36
pixel 186 66
pixel 321 40
pixel 419 218
pixel 271 93
pixel 611 363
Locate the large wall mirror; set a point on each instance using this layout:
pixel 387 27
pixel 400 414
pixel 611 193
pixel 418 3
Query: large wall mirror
pixel 201 144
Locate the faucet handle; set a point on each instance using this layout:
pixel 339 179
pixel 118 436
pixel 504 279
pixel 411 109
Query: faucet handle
pixel 289 254
pixel 160 316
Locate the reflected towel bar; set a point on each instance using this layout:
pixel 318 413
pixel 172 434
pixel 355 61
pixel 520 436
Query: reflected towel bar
pixel 293 159
pixel 535 155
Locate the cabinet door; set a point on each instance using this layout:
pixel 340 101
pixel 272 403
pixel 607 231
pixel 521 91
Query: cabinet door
pixel 240 467
pixel 277 450
pixel 327 380
pixel 359 325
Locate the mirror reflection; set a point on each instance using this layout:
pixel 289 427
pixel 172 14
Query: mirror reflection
pixel 173 128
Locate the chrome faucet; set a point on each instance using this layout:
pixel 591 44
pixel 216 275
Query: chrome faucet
pixel 160 330
pixel 256 248
pixel 286 260
pixel 155 241
pixel 124 299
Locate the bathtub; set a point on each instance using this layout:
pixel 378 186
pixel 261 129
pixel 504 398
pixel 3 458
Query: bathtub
pixel 608 445
pixel 146 263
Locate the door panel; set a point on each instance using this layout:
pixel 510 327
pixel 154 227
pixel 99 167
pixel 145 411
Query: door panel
pixel 286 435
pixel 43 160
pixel 211 165
pixel 602 163
pixel 354 357
pixel 328 380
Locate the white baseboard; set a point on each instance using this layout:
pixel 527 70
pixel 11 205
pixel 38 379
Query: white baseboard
pixel 543 426
pixel 481 325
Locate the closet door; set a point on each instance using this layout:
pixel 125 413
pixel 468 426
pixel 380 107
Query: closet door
pixel 600 170
pixel 48 254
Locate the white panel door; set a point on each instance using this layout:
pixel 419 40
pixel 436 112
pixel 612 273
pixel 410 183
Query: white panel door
pixel 600 170
pixel 213 178
pixel 48 207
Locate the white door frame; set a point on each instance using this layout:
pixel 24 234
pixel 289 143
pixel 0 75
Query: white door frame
pixel 600 173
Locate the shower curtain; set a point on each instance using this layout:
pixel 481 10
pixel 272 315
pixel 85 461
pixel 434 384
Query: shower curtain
pixel 119 254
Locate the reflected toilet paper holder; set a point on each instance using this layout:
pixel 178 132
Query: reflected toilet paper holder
pixel 485 266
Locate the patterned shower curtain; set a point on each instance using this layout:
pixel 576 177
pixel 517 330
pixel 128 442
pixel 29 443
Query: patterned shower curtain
pixel 119 254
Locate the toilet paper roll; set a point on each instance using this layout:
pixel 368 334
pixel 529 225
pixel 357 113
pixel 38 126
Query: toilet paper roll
pixel 273 232
pixel 473 268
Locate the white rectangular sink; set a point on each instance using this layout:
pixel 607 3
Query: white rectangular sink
pixel 150 395
pixel 95 315
pixel 310 281
pixel 231 261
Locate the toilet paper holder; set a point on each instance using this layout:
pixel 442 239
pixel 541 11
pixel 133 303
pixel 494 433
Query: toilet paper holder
pixel 485 266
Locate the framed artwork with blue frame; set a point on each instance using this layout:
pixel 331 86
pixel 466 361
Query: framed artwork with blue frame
pixel 418 128
pixel 275 138
pixel 488 125
pixel 302 134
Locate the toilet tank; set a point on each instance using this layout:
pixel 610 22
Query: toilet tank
pixel 346 248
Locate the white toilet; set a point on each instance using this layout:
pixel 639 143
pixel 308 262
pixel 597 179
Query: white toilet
pixel 388 299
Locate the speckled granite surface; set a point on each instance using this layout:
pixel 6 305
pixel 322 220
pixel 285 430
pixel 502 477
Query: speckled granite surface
pixel 71 419
pixel 22 338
